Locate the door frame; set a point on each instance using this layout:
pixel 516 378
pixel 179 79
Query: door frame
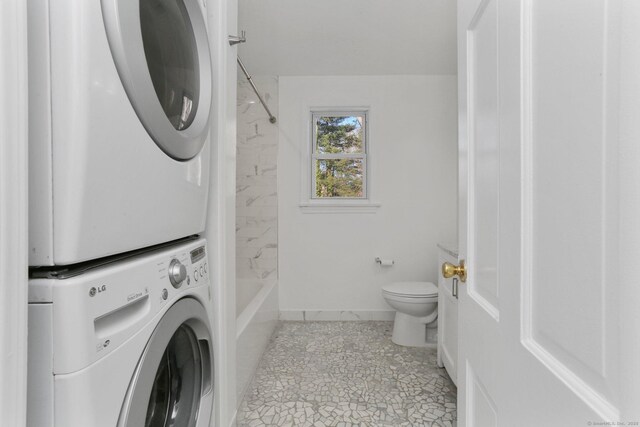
pixel 221 215
pixel 14 264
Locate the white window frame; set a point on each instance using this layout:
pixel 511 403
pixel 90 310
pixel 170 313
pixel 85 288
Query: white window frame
pixel 315 156
pixel 312 204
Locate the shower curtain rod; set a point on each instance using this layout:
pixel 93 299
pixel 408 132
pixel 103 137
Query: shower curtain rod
pixel 272 118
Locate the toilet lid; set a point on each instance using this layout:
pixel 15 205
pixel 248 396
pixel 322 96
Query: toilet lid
pixel 415 289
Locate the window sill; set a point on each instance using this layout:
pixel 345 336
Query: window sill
pixel 339 206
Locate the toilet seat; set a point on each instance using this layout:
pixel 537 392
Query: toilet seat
pixel 411 289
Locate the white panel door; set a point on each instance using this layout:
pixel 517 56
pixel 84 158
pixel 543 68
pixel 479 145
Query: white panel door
pixel 545 324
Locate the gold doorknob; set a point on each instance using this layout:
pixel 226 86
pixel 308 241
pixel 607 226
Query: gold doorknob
pixel 450 270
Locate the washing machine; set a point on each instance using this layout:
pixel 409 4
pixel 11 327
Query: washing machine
pixel 127 343
pixel 120 106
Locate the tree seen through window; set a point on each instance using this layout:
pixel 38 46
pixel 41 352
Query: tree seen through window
pixel 339 156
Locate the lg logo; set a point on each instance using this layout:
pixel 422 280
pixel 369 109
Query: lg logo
pixel 96 290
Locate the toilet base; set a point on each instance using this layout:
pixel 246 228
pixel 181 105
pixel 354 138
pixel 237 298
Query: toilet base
pixel 410 331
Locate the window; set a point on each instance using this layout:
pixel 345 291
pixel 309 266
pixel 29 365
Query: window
pixel 339 155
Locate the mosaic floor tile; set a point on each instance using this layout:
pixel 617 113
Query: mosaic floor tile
pixel 346 374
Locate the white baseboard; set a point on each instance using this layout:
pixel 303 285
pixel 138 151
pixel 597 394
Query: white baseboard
pixel 336 315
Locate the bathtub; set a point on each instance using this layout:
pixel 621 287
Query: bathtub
pixel 256 319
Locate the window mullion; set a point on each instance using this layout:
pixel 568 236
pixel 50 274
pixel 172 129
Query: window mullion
pixel 338 156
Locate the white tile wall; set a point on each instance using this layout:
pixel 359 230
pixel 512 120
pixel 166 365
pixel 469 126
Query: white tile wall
pixel 256 184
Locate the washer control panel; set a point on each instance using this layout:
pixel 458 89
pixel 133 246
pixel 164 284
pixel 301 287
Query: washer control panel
pixel 177 273
pixel 199 264
pixel 200 272
pixel 98 311
pixel 182 271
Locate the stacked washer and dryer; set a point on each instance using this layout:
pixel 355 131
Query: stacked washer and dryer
pixel 120 298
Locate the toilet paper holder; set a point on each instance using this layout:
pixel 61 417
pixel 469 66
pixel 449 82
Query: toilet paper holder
pixel 384 262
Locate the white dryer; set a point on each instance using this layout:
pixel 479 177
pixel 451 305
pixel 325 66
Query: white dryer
pixel 120 101
pixel 127 344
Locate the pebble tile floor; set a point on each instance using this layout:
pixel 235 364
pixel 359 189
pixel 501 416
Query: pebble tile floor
pixel 346 374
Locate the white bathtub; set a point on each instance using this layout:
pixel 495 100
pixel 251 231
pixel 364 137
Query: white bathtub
pixel 257 317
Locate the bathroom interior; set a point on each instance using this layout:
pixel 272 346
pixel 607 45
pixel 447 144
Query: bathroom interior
pixel 303 257
pixel 356 213
pixel 333 290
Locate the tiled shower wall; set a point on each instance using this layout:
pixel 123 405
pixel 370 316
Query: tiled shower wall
pixel 256 185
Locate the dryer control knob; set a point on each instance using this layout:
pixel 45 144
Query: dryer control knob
pixel 177 273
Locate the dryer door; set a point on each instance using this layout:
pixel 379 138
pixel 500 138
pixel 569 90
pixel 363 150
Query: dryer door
pixel 172 384
pixel 161 52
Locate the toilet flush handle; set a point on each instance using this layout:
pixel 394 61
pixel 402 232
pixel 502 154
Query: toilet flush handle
pixel 449 270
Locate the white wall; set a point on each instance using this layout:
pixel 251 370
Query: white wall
pixel 13 212
pixel 326 261
pixel 355 37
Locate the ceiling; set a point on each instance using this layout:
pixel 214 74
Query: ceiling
pixel 348 37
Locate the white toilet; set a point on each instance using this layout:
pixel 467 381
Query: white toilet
pixel 416 305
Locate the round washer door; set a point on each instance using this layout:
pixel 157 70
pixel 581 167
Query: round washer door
pixel 172 384
pixel 161 52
